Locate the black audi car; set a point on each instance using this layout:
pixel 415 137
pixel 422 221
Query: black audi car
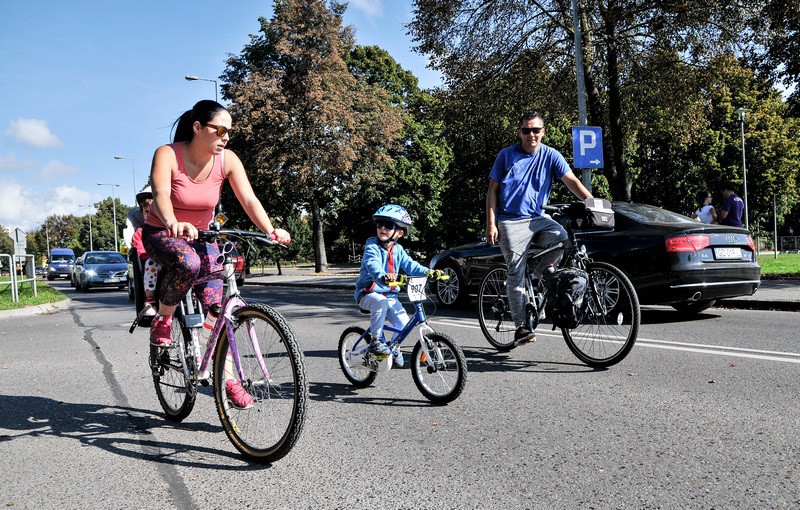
pixel 670 259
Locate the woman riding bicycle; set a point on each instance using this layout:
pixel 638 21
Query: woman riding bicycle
pixel 187 177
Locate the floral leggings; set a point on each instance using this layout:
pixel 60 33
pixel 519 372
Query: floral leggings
pixel 182 263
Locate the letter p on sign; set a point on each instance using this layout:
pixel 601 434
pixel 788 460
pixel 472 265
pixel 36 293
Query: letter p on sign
pixel 587 146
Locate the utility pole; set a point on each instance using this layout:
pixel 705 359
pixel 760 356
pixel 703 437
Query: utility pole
pixel 586 175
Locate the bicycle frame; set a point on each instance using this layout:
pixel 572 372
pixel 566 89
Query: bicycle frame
pixel 193 320
pixel 417 319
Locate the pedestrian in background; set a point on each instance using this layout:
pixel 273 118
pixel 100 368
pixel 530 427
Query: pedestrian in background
pixel 732 206
pixel 705 212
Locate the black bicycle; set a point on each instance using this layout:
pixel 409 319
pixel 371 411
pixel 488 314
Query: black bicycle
pixel 607 318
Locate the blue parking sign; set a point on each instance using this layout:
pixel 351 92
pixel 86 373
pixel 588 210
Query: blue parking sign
pixel 587 146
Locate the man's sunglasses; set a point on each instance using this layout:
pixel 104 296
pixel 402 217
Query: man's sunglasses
pixel 221 130
pixel 534 130
pixel 388 225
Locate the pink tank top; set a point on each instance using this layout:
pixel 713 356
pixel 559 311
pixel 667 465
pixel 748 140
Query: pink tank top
pixel 192 201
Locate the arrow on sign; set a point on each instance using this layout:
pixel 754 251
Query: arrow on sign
pixel 595 161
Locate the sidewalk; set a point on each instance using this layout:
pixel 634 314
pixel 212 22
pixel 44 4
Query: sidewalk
pixel 782 295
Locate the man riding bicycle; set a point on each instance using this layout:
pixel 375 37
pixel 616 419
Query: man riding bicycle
pixel 519 185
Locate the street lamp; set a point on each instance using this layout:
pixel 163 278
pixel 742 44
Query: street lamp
pixel 189 77
pixel 91 246
pixel 114 207
pixel 133 170
pixel 742 112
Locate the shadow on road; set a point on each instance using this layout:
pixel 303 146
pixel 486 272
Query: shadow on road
pixel 670 316
pixel 110 428
pixel 490 360
pixel 348 394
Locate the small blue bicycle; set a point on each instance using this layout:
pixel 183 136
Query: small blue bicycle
pixel 438 365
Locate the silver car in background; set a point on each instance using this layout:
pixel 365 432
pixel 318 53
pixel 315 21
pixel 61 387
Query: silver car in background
pixel 101 269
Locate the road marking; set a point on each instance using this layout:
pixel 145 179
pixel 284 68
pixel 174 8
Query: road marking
pixel 719 350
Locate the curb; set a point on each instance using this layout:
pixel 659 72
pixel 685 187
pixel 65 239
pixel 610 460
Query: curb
pixel 42 309
pixel 753 304
pixel 310 285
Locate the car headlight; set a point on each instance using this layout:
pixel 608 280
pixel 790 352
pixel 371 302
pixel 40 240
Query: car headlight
pixel 51 268
pixel 90 272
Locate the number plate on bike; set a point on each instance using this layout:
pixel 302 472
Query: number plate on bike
pixel 416 289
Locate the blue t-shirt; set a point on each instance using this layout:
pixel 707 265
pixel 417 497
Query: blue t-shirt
pixel 734 205
pixel 525 180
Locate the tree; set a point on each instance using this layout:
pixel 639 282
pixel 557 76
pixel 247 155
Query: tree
pixel 776 45
pixel 102 225
pixel 475 42
pixel 416 177
pixel 304 119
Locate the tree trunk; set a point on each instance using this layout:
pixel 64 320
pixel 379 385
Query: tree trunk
pixel 621 183
pixel 320 257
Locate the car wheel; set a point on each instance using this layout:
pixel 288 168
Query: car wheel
pixel 50 278
pixel 451 292
pixel 131 295
pixel 692 307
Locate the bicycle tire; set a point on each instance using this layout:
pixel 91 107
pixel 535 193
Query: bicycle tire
pixel 611 316
pixel 266 431
pixel 442 378
pixel 175 392
pixel 494 313
pixel 355 367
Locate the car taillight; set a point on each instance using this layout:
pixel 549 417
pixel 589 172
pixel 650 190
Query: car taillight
pixel 750 243
pixel 691 243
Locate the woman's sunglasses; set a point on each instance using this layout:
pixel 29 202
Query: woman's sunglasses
pixel 388 225
pixel 221 130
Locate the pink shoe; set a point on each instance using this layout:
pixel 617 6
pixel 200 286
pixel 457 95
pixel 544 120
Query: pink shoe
pixel 161 331
pixel 237 395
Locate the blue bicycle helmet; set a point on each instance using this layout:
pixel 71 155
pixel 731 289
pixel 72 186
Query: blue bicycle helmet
pixel 396 214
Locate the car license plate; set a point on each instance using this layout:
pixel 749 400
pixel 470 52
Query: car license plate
pixel 728 253
pixel 111 280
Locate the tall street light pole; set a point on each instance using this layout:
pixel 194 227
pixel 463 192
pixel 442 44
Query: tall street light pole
pixel 742 112
pixel 190 77
pixel 133 171
pixel 91 245
pixel 114 208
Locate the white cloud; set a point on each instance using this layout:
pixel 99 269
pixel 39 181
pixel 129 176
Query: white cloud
pixel 57 169
pixel 372 8
pixel 12 163
pixel 26 209
pixel 33 133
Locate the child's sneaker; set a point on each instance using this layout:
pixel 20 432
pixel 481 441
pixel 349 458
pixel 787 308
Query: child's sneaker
pixel 161 331
pixel 237 395
pixel 398 359
pixel 379 348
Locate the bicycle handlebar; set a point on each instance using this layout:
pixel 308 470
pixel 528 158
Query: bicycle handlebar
pixel 403 279
pixel 212 235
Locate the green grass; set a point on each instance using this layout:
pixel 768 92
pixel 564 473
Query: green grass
pixel 46 294
pixel 785 266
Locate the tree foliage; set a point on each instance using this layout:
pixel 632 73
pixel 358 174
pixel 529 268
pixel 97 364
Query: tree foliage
pixel 417 174
pixel 304 119
pixel 474 42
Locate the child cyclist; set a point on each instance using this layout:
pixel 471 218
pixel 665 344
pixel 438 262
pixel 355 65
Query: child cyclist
pixel 382 262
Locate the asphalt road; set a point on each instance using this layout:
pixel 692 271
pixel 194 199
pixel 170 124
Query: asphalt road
pixel 701 414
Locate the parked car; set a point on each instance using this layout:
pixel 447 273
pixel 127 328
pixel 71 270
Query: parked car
pixel 101 269
pixel 670 259
pixel 74 273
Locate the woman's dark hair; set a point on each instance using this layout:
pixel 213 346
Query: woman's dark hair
pixel 701 197
pixel 201 112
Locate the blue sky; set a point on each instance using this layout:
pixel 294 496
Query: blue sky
pixel 84 81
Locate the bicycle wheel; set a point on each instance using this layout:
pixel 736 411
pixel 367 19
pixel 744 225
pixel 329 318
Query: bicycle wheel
pixel 494 314
pixel 176 393
pixel 610 318
pixel 355 363
pixel 442 376
pixel 274 376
